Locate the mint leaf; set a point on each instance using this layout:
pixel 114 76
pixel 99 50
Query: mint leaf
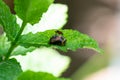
pixel 54 18
pixel 4 45
pixel 20 50
pixel 31 10
pixel 30 75
pixel 74 39
pixel 9 70
pixel 8 21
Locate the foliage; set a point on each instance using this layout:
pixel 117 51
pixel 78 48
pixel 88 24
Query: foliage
pixel 74 39
pixel 27 10
pixel 4 45
pixel 13 42
pixel 8 21
pixel 9 69
pixel 30 75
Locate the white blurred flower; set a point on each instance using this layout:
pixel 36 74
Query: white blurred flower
pixel 54 18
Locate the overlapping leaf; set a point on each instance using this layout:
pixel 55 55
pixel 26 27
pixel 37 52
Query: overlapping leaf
pixel 4 45
pixel 74 41
pixel 8 21
pixel 31 10
pixel 9 70
pixel 30 75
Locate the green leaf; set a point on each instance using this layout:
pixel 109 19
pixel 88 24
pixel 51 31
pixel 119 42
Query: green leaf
pixel 8 21
pixel 54 18
pixel 74 39
pixel 20 50
pixel 31 10
pixel 4 45
pixel 30 75
pixel 9 70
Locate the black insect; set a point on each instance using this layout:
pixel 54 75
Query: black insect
pixel 58 39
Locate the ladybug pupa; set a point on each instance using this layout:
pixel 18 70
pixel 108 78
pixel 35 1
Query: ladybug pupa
pixel 58 39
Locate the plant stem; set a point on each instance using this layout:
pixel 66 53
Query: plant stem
pixel 13 44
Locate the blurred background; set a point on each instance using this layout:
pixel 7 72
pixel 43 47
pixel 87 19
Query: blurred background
pixel 99 19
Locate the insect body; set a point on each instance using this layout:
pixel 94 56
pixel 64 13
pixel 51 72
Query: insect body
pixel 58 39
